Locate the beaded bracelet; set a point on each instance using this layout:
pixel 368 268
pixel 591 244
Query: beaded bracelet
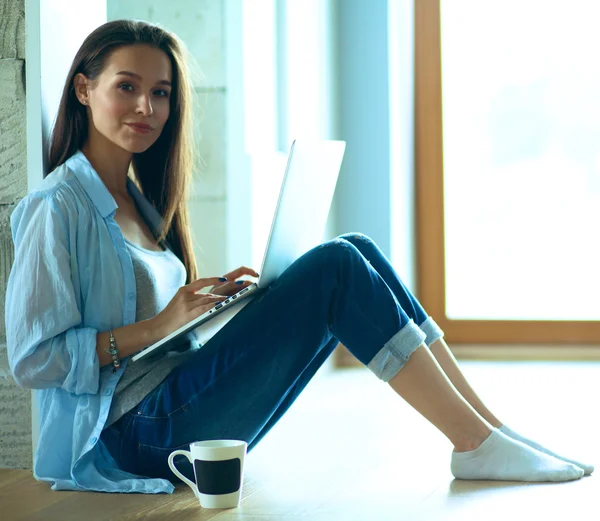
pixel 113 351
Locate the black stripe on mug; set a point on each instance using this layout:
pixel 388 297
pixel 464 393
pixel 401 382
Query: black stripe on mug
pixel 218 477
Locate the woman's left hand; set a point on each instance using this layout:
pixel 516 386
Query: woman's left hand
pixel 232 286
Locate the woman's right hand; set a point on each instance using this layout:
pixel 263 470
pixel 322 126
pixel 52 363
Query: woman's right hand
pixel 185 306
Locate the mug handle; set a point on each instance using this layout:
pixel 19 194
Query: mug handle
pixel 188 455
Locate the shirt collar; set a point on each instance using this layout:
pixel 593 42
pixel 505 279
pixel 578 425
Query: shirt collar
pixel 92 184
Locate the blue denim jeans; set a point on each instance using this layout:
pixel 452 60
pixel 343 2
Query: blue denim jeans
pixel 246 377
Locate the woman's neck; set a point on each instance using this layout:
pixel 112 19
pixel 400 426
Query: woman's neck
pixel 110 161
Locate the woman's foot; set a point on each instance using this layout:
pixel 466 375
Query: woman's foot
pixel 587 469
pixel 501 458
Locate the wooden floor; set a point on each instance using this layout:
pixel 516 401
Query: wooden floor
pixel 349 449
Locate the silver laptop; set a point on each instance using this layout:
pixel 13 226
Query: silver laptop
pixel 298 225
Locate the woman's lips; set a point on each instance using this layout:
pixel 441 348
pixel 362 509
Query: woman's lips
pixel 141 128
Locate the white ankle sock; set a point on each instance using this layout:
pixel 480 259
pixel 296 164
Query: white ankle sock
pixel 501 458
pixel 587 469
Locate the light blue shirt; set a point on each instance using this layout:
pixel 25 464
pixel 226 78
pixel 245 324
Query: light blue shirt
pixel 72 278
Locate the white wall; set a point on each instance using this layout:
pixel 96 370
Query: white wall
pixel 48 61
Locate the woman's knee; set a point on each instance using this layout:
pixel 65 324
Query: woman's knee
pixel 331 254
pixel 336 249
pixel 323 263
pixel 357 238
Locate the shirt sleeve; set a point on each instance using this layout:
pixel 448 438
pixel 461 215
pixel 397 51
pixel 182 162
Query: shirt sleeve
pixel 46 342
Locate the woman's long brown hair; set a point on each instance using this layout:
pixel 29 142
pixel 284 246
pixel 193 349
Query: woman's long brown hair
pixel 164 171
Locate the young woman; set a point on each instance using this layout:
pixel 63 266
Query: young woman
pixel 104 267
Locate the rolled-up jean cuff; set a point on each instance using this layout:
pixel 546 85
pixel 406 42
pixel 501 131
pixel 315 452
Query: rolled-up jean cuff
pixel 432 330
pixel 393 355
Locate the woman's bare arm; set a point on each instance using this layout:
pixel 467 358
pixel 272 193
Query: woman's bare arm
pixel 130 339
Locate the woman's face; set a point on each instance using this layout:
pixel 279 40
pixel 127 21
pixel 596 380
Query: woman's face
pixel 128 103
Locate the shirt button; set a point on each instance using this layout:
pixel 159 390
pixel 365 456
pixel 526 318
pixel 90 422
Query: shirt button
pixel 108 392
pixel 132 296
pixel 93 440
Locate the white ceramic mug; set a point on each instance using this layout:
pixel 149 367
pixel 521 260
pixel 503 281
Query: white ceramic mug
pixel 219 471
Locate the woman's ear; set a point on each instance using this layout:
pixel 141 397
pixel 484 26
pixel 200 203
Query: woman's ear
pixel 82 90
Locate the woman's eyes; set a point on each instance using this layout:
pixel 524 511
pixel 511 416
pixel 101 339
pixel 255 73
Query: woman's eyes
pixel 127 87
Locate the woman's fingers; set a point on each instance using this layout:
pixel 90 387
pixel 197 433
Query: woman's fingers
pixel 225 286
pixel 231 288
pixel 234 285
pixel 243 270
pixel 199 284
